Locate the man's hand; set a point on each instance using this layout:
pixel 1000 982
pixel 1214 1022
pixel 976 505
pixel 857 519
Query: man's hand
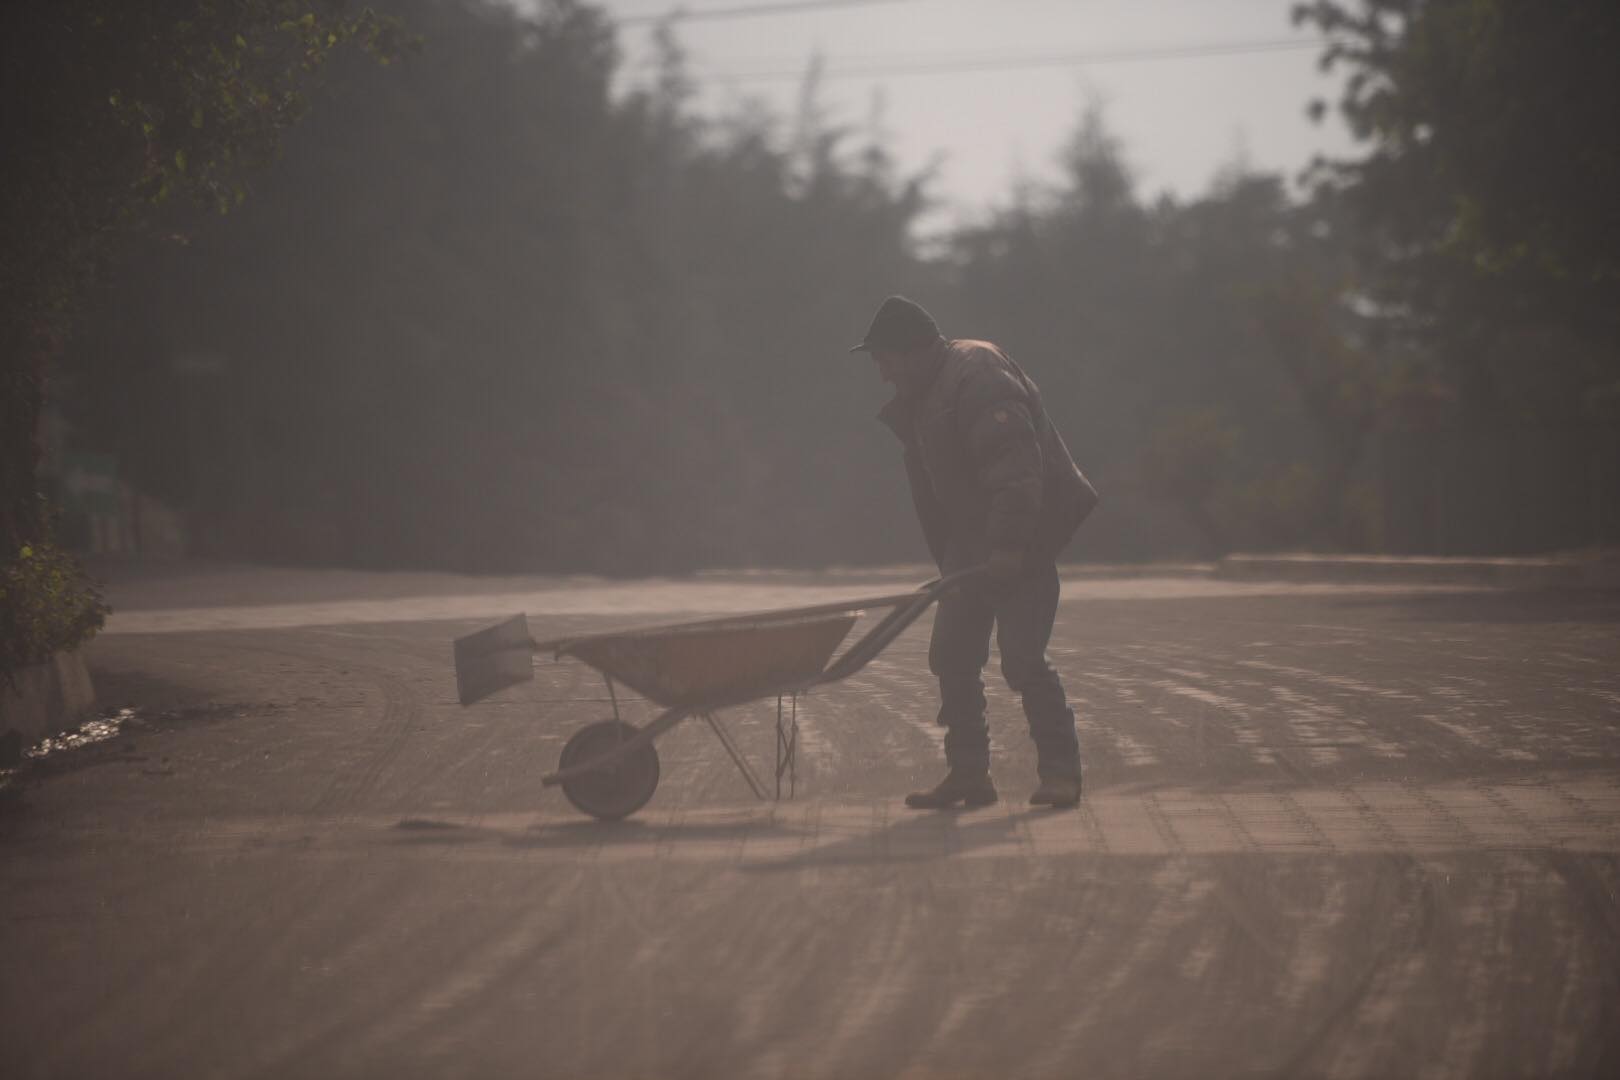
pixel 1005 566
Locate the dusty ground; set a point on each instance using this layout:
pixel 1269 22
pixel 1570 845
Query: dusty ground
pixel 1328 832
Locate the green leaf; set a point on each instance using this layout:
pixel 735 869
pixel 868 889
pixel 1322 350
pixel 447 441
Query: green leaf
pixel 241 42
pixel 27 552
pixel 197 117
pixel 180 160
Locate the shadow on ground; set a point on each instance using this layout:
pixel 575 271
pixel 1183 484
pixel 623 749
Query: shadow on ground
pixel 917 837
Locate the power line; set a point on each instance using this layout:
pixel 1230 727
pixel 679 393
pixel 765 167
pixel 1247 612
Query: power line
pixel 745 11
pixel 1028 61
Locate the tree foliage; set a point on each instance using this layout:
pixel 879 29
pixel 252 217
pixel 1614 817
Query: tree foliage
pixel 1487 184
pixel 114 107
pixel 487 313
pixel 46 603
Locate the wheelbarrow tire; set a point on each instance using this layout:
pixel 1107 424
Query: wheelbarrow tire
pixel 614 791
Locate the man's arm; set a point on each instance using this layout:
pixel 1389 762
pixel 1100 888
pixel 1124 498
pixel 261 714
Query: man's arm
pixel 930 512
pixel 1006 452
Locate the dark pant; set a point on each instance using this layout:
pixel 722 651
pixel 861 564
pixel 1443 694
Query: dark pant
pixel 1021 612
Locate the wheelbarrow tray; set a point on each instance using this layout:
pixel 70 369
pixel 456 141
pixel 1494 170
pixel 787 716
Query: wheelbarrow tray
pixel 715 661
pixel 734 660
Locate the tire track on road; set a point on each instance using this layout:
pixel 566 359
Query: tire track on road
pixel 402 710
pixel 1317 1042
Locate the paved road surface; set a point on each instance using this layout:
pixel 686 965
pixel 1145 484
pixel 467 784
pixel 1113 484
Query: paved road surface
pixel 1340 832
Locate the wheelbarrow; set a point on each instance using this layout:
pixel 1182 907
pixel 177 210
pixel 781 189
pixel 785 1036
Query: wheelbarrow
pixel 609 768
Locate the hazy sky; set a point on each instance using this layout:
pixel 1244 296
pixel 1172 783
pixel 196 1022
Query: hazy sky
pixel 1182 117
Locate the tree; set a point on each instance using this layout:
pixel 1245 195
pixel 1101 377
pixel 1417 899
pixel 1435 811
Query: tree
pixel 1489 177
pixel 1490 253
pixel 484 314
pixel 113 108
pixel 1184 460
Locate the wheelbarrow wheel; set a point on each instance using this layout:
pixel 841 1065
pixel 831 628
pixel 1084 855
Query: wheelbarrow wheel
pixel 613 791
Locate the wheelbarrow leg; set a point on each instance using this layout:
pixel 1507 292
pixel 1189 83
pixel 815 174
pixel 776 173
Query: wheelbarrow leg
pixel 787 746
pixel 736 753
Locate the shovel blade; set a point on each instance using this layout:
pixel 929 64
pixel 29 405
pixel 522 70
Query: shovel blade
pixel 493 659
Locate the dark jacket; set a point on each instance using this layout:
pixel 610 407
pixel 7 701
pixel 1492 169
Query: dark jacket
pixel 988 471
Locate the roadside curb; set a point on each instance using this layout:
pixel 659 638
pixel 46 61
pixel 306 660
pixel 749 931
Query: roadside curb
pixel 1546 572
pixel 46 698
pixel 1130 571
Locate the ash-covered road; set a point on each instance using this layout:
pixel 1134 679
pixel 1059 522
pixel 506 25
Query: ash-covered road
pixel 1327 832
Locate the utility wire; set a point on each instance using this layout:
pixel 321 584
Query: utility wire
pixel 1028 61
pixel 745 11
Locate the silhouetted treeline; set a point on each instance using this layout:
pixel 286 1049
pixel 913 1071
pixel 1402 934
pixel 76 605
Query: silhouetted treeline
pixel 485 315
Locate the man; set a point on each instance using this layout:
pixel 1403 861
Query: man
pixel 993 485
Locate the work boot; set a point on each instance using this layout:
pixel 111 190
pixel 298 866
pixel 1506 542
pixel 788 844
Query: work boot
pixel 1059 792
pixel 959 786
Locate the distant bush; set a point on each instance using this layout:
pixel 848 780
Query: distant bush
pixel 46 604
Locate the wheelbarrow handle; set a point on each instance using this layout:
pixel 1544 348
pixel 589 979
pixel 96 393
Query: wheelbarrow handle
pixel 895 623
pixel 940 585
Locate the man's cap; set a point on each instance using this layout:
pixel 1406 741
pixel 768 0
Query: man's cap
pixel 899 326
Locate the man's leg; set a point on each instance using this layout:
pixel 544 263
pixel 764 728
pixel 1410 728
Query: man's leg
pixel 1024 612
pixel 957 653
